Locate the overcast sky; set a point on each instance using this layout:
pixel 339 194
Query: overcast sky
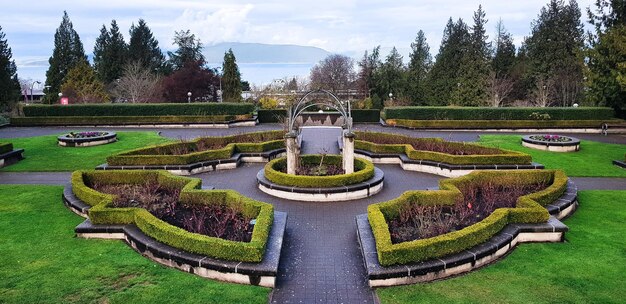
pixel 348 27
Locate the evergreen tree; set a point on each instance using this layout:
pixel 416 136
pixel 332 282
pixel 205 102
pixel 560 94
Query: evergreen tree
pixel 474 69
pixel 391 77
pixel 231 79
pixel 504 57
pixel 9 84
pixel 419 66
pixel 81 85
pixel 144 48
pixel 607 14
pixel 443 80
pixel 68 52
pixel 367 68
pixel 189 50
pixel 110 54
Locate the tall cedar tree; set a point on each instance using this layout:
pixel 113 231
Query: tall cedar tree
pixel 81 85
pixel 391 77
pixel 607 54
pixel 144 48
pixel 443 79
pixel 231 79
pixel 68 52
pixel 189 50
pixel 419 66
pixel 367 65
pixel 110 53
pixel 555 52
pixel 504 57
pixel 9 84
pixel 474 69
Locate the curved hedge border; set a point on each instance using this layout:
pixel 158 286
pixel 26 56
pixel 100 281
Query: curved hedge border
pixel 103 212
pixel 529 209
pixel 126 120
pixel 491 113
pixel 500 156
pixel 143 109
pixel 235 143
pixel 363 170
pixel 497 124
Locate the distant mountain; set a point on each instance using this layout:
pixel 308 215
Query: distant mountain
pixel 265 53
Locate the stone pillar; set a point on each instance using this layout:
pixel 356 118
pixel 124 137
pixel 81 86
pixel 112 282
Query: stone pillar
pixel 293 152
pixel 348 152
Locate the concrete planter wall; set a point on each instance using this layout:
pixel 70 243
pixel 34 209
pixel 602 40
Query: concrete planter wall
pixel 572 145
pixel 11 157
pixel 67 141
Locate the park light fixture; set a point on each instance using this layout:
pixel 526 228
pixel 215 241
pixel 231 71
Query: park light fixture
pixel 188 97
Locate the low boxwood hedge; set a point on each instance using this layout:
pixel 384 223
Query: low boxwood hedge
pixel 529 209
pixel 491 113
pixel 273 116
pixel 157 155
pixel 103 212
pixel 495 157
pixel 363 170
pixel 124 120
pixel 144 109
pixel 6 148
pixel 498 124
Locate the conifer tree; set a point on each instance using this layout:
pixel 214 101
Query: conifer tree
pixel 419 66
pixel 504 57
pixel 110 54
pixel 68 52
pixel 231 79
pixel 189 50
pixel 144 48
pixel 391 77
pixel 9 84
pixel 474 68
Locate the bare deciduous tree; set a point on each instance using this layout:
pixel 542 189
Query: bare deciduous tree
pixel 499 89
pixel 138 85
pixel 543 92
pixel 334 73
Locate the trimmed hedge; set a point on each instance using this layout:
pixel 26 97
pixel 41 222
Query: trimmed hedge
pixel 363 170
pixel 249 142
pixel 145 109
pixel 124 120
pixel 497 157
pixel 528 209
pixel 490 113
pixel 6 148
pixel 273 116
pixel 103 212
pixel 497 124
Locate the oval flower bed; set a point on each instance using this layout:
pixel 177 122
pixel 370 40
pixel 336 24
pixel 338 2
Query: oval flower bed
pixel 221 224
pixel 467 211
pixel 86 139
pixel 554 143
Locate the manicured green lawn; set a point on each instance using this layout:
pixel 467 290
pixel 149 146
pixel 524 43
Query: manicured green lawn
pixel 588 268
pixel 43 154
pixel 593 159
pixel 42 261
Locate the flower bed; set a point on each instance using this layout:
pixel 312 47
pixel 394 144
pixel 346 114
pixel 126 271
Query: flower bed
pixel 438 150
pixel 86 139
pixel 315 175
pixel 173 210
pixel 461 194
pixel 201 149
pixel 555 143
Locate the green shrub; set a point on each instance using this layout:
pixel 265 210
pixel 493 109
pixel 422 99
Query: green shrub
pixel 153 155
pixel 490 113
pixel 121 120
pixel 273 116
pixel 147 109
pixel 372 115
pixel 494 157
pixel 497 124
pixel 103 212
pixel 6 148
pixel 363 170
pixel 529 209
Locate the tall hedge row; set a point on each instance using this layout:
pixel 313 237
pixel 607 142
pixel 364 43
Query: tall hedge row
pixel 488 113
pixel 156 109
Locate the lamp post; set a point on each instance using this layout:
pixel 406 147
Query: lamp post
pixel 60 95
pixel 31 89
pixel 219 75
pixel 188 97
pixel 390 95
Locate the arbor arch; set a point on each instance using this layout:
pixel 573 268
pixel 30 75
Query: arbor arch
pixel 304 104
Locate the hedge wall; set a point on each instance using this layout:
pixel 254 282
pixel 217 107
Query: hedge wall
pixel 159 155
pixel 6 148
pixel 363 170
pixel 529 209
pixel 145 109
pixel 497 124
pixel 494 157
pixel 124 120
pixel 490 113
pixel 273 116
pixel 103 212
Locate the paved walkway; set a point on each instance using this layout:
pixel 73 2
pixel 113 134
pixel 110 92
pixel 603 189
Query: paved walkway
pixel 320 140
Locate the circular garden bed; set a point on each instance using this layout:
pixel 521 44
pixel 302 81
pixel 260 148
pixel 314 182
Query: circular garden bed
pixel 320 178
pixel 86 139
pixel 554 143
